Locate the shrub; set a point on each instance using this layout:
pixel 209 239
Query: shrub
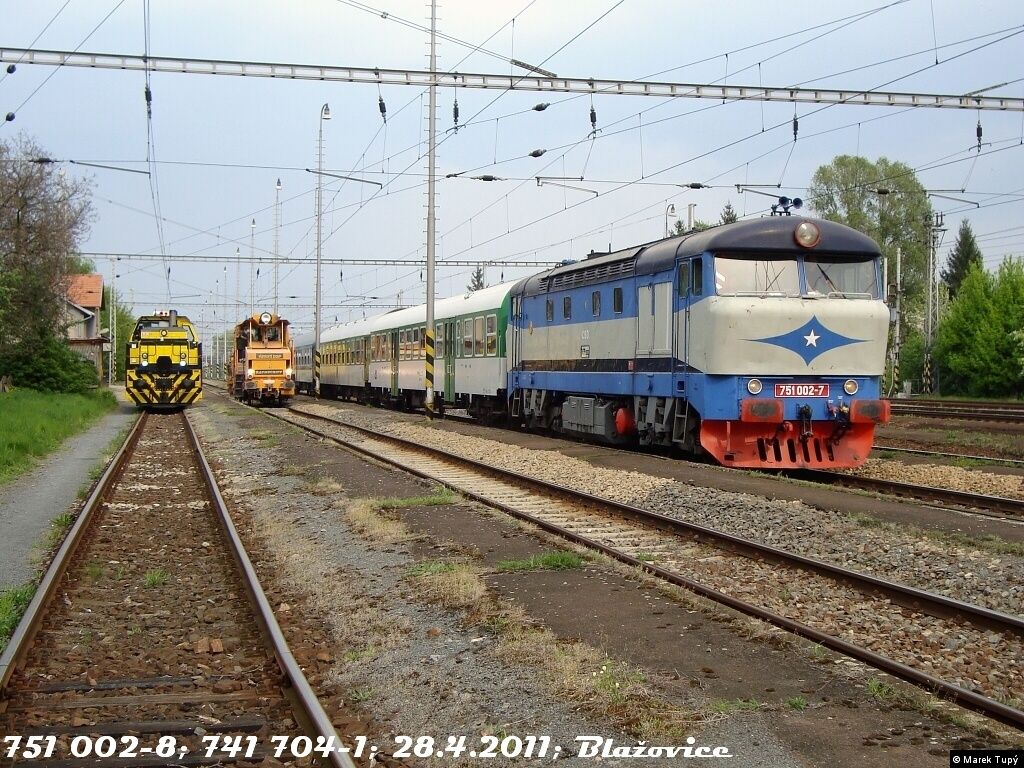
pixel 48 365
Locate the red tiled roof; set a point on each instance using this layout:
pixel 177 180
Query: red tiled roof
pixel 86 291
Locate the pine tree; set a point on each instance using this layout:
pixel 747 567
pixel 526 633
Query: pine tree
pixel 729 215
pixel 965 253
pixel 476 280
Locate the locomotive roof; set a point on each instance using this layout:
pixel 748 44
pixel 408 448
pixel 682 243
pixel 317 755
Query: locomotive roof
pixel 489 298
pixel 771 233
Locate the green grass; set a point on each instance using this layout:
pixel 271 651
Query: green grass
pixel 550 561
pixel 13 603
pixel 431 568
pixel 797 703
pixel 439 496
pixel 155 578
pixel 735 705
pixel 34 424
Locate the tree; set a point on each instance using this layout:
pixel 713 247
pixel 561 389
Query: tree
pixel 476 280
pixel 43 218
pixel 699 225
pixel 965 253
pixel 729 215
pixel 885 201
pixel 976 345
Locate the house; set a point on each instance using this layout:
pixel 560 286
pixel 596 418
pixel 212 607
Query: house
pixel 83 307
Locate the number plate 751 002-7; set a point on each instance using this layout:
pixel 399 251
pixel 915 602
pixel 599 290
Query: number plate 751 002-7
pixel 801 390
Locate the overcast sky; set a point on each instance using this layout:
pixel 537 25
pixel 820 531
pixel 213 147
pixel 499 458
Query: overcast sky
pixel 222 142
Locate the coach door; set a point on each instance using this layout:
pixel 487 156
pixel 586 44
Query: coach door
pixel 689 288
pixel 393 345
pixel 654 322
pixel 450 339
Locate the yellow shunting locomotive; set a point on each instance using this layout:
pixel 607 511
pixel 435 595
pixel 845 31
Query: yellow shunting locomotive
pixel 261 368
pixel 164 367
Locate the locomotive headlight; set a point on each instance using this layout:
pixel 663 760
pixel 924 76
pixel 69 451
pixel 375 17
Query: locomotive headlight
pixel 145 356
pixel 288 372
pixel 249 373
pixel 265 318
pixel 807 234
pixel 850 387
pixel 754 386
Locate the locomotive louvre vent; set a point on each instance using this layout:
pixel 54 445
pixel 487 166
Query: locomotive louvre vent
pixel 591 274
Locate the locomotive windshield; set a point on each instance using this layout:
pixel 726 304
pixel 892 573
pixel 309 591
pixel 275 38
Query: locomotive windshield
pixel 741 276
pixel 824 275
pixel 847 279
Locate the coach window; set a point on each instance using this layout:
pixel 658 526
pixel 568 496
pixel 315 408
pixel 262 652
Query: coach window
pixel 423 341
pixel 414 351
pixel 439 340
pixel 467 337
pixel 478 335
pixel 697 277
pixel 684 279
pixel 492 335
pixel 595 303
pixel 567 307
pixel 549 310
pixel 617 301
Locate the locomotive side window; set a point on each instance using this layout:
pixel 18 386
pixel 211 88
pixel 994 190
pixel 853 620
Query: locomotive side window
pixel 684 279
pixel 595 303
pixel 567 307
pixel 549 310
pixel 617 301
pixel 697 277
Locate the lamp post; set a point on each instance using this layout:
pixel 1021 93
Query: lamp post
pixel 252 267
pixel 670 211
pixel 277 241
pixel 325 114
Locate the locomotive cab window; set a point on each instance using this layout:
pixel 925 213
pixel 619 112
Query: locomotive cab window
pixel 617 301
pixel 567 307
pixel 828 276
pixel 595 303
pixel 770 275
pixel 549 310
pixel 697 277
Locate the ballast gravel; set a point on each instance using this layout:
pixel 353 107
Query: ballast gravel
pixel 944 476
pixel 969 574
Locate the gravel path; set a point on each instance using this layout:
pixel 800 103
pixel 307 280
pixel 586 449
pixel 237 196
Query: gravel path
pixel 972 575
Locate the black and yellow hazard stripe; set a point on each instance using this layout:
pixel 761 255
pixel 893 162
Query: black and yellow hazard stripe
pixel 174 393
pixel 430 360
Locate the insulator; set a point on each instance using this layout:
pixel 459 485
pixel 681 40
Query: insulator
pixel 487 177
pixel 593 117
pixel 10 117
pixel 796 127
pixel 455 112
pixel 11 69
pixel 536 107
pixel 383 108
pixel 537 152
pixel 978 131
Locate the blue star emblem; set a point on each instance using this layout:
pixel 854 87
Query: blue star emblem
pixel 810 340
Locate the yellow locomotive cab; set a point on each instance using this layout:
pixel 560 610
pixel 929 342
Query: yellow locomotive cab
pixel 261 369
pixel 164 362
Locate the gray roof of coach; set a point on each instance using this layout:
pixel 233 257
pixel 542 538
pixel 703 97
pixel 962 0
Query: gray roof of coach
pixel 770 233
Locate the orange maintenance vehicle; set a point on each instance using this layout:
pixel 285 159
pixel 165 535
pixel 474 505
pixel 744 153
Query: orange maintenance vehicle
pixel 261 369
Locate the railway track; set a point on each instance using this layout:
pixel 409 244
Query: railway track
pixel 834 606
pixel 960 409
pixel 949 455
pixel 948 499
pixel 149 640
